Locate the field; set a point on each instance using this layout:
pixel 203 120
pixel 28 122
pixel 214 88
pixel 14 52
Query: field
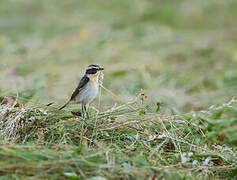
pixel 167 108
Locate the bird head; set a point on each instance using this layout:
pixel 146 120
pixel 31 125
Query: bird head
pixel 93 71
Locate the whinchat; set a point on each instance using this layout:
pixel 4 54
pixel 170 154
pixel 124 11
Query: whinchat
pixel 87 89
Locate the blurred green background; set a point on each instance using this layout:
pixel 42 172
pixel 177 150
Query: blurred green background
pixel 182 53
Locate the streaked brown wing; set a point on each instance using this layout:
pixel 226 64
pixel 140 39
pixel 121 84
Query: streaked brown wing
pixel 82 83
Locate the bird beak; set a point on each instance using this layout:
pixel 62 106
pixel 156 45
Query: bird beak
pixel 101 69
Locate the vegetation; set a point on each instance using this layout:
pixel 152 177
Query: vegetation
pixel 167 108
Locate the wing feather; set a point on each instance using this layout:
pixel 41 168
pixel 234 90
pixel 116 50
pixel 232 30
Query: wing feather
pixel 81 84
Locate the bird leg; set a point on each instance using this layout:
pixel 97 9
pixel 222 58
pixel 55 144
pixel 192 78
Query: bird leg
pixel 83 111
pixel 85 114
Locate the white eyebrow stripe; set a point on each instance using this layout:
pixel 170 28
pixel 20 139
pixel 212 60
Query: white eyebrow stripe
pixel 92 67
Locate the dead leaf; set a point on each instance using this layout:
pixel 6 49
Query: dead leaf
pixel 9 101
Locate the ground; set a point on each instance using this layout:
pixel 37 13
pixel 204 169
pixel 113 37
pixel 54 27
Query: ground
pixel 167 107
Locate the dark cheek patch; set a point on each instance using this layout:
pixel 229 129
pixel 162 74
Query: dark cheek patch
pixel 91 71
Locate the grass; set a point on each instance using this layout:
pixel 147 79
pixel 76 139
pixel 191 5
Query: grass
pixel 182 125
pixel 118 144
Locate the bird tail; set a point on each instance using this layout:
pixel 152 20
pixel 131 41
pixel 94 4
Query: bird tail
pixel 69 102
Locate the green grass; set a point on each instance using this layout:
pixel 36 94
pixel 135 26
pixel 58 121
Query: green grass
pixel 183 54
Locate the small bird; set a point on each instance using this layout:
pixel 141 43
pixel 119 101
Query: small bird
pixel 87 89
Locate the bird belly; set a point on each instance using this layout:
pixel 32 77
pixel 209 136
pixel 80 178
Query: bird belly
pixel 88 93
